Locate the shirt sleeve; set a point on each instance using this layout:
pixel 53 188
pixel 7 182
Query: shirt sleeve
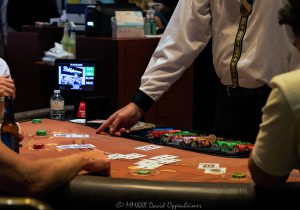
pixel 186 35
pixel 275 149
pixel 4 69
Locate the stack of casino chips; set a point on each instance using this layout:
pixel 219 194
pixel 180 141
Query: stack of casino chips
pixel 41 133
pixel 191 139
pixel 36 121
pixel 232 146
pixel 204 141
pixel 170 138
pixel 158 133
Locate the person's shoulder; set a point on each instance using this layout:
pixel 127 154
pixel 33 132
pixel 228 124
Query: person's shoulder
pixel 287 78
pixel 288 85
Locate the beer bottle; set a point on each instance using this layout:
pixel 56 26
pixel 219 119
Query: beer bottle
pixel 9 128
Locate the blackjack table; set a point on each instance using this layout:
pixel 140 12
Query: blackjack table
pixel 181 184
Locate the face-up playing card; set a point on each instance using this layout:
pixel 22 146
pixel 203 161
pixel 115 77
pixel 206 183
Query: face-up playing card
pixel 208 165
pixel 167 161
pixel 148 147
pixel 148 164
pixel 71 135
pixel 84 146
pixel 146 161
pixel 164 157
pixel 75 146
pixel 67 146
pixel 215 171
pixel 115 156
pixel 132 156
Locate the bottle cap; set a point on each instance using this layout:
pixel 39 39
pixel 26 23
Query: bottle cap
pixel 56 91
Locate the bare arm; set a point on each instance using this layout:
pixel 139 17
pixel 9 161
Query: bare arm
pixel 27 177
pixel 264 179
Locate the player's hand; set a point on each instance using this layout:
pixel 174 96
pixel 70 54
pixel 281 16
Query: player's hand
pixel 122 120
pixel 7 87
pixel 97 162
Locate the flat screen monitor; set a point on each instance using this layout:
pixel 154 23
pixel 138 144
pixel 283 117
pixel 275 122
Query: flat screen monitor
pixel 76 74
pixel 112 1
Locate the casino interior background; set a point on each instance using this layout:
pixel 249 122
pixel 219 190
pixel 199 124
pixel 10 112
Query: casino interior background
pixel 26 47
pixel 187 105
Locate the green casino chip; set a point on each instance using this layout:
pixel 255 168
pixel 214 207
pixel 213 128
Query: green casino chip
pixel 41 133
pixel 144 172
pixel 238 175
pixel 36 121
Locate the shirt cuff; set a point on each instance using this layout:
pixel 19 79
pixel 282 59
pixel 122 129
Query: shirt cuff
pixel 142 100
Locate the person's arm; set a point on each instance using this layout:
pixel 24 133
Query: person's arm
pixel 274 154
pixel 186 35
pixel 122 120
pixel 180 44
pixel 264 179
pixel 21 176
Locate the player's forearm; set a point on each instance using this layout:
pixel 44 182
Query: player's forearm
pixel 264 179
pixel 46 175
pixel 24 177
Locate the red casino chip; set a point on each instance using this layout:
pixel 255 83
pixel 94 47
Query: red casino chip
pixel 240 148
pixel 38 146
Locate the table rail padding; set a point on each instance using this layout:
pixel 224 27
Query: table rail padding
pixel 94 192
pixel 38 113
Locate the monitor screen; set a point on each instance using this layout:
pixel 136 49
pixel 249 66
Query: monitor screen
pixel 107 1
pixel 76 74
pixel 112 1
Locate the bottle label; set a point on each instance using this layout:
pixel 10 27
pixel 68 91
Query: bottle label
pixel 57 105
pixel 10 141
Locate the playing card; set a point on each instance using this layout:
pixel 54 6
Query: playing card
pixel 84 146
pixel 215 171
pixel 115 156
pixel 164 157
pixel 71 135
pixel 132 156
pixel 208 165
pixel 167 161
pixel 148 147
pixel 67 146
pixel 148 164
pixel 146 161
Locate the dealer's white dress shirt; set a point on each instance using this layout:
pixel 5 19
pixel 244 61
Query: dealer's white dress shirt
pixel 266 49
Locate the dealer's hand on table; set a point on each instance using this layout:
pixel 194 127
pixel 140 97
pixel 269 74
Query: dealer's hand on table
pixel 7 87
pixel 122 120
pixel 97 162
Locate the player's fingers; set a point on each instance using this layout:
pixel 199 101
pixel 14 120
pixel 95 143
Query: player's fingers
pixel 7 91
pixel 8 82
